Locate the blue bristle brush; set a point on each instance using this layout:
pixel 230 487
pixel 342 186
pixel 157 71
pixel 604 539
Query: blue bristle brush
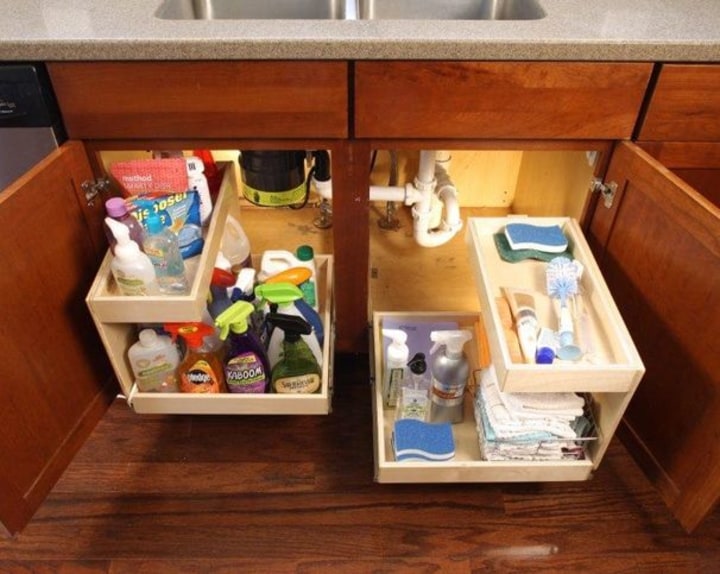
pixel 561 276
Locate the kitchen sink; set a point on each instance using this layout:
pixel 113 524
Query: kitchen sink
pixel 450 10
pixel 350 10
pixel 256 10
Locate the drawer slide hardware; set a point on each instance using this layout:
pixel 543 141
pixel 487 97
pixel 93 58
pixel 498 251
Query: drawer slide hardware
pixel 607 190
pixel 93 188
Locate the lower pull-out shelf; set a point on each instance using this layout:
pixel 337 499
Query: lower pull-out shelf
pixel 467 465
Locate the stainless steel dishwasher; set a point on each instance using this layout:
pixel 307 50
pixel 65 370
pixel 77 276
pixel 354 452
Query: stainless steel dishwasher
pixel 30 123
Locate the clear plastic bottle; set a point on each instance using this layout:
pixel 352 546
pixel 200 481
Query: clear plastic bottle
pixel 117 209
pixel 162 246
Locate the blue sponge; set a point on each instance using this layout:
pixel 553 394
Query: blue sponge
pixel 547 238
pixel 420 441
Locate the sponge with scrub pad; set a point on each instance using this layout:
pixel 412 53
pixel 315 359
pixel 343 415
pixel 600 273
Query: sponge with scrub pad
pixel 546 238
pixel 415 440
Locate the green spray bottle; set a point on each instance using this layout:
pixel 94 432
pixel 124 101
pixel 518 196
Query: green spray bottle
pixel 246 365
pixel 297 371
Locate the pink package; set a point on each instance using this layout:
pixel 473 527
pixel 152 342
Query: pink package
pixel 137 177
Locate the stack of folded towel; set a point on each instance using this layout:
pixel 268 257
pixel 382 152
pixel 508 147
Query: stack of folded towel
pixel 527 426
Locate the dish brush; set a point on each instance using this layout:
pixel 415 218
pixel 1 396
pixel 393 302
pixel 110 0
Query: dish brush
pixel 561 276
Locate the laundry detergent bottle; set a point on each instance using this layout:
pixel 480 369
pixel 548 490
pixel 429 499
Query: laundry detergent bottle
pixel 246 366
pixel 201 370
pixel 450 370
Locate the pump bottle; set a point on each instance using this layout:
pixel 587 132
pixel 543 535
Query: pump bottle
pixel 201 370
pixel 297 371
pixel 117 209
pixel 133 270
pixel 395 371
pixel 449 373
pixel 246 367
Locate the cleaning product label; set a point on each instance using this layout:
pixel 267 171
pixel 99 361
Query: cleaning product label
pixel 394 380
pixel 245 373
pixel 298 384
pixel 199 378
pixel 158 375
pixel 447 395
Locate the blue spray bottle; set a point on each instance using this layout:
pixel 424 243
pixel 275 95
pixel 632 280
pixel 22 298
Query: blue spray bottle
pixel 246 365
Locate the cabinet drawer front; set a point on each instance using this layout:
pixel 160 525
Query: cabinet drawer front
pixel 685 105
pixel 498 100
pixel 202 99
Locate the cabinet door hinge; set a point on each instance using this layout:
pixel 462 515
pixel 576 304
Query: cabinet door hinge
pixel 93 188
pixel 607 190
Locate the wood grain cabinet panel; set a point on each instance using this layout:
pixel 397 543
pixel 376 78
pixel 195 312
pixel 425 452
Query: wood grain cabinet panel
pixel 549 100
pixel 685 105
pixel 238 99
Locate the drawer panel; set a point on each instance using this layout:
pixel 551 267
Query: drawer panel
pixel 611 362
pixel 553 100
pixel 224 99
pixel 117 338
pixel 467 465
pixel 685 105
pixel 108 305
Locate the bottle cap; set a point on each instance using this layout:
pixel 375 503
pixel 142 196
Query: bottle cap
pixel 305 253
pixel 116 207
pixel 544 356
pixel 148 337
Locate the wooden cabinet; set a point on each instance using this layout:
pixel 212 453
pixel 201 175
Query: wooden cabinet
pixel 56 379
pixel 656 244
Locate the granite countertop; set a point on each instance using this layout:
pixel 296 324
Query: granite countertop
pixel 613 30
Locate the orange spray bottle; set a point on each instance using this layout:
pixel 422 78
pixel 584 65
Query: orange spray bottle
pixel 201 370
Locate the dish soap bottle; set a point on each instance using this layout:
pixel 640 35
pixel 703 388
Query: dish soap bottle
pixel 449 374
pixel 133 270
pixel 246 366
pixel 117 209
pixel 154 360
pixel 163 248
pixel 201 370
pixel 297 371
pixel 396 358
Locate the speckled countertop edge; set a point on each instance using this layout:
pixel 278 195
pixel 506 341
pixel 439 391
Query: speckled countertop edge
pixel 606 30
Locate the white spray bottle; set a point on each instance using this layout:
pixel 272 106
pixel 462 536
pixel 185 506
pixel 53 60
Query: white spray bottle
pixel 395 366
pixel 450 371
pixel 133 270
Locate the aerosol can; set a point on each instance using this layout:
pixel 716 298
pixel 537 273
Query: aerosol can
pixel 450 371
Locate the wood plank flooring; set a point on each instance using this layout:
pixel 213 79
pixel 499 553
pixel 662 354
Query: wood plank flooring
pixel 154 494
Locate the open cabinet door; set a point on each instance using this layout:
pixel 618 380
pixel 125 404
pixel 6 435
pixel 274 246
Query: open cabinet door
pixel 658 245
pixel 55 382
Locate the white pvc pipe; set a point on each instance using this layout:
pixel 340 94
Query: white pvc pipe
pixel 387 193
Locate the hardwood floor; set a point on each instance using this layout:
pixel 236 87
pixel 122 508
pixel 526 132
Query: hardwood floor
pixel 153 494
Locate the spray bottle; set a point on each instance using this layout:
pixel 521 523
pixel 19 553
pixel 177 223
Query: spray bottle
pixel 450 370
pixel 133 270
pixel 286 299
pixel 395 371
pixel 201 370
pixel 297 371
pixel 246 366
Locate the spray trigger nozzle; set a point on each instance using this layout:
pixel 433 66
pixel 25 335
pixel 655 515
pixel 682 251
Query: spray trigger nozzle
pixel 454 341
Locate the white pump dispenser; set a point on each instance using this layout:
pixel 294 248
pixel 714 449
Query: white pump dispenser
pixel 450 371
pixel 396 358
pixel 133 270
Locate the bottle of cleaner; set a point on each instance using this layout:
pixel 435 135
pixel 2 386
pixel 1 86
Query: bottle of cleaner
pixel 276 261
pixel 117 209
pixel 198 182
pixel 286 299
pixel 246 366
pixel 133 270
pixel 235 245
pixel 414 399
pixel 449 375
pixel 395 368
pixel 201 370
pixel 297 371
pixel 306 256
pixel 154 360
pixel 163 248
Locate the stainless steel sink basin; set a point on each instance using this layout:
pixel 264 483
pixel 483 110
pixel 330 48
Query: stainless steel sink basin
pixel 256 10
pixel 350 10
pixel 450 10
